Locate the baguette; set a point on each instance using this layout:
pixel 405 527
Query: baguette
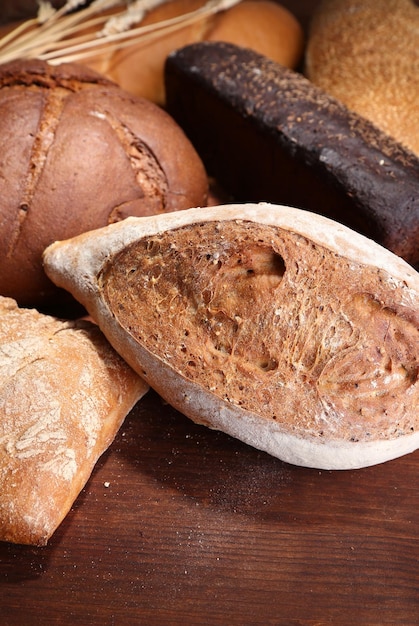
pixel 277 326
pixel 64 393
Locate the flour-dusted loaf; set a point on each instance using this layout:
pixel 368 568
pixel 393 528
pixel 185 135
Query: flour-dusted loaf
pixel 268 134
pixel 278 326
pixel 64 393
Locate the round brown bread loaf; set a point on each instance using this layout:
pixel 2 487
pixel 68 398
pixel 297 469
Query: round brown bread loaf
pixel 78 153
pixel 366 54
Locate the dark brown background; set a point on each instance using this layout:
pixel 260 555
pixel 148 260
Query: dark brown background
pixel 182 525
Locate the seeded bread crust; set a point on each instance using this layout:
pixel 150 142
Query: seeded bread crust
pixel 365 53
pixel 277 326
pixel 268 134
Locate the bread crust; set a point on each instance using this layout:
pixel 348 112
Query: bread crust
pixel 80 153
pixel 316 389
pixel 366 55
pixel 267 133
pixel 263 25
pixel 64 393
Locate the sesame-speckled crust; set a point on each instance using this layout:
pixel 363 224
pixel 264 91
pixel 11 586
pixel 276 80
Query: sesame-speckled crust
pixel 277 326
pixel 268 134
pixel 64 393
pixel 366 54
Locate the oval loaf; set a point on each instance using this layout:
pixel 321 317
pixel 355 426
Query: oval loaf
pixel 278 326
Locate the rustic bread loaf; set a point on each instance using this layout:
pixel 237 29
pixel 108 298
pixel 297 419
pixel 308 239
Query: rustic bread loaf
pixel 267 134
pixel 276 325
pixel 78 153
pixel 64 393
pixel 366 54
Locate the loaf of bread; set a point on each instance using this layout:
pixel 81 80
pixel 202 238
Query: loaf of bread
pixel 267 134
pixel 78 153
pixel 275 325
pixel 261 25
pixel 366 54
pixel 136 62
pixel 64 393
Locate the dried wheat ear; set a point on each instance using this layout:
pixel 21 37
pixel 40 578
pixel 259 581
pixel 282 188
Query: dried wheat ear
pixel 275 325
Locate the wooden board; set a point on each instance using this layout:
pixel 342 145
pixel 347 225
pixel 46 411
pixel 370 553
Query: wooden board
pixel 183 525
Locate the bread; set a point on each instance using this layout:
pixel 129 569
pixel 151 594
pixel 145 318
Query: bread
pixel 275 325
pixel 267 134
pixel 63 395
pixel 366 54
pixel 78 153
pixel 263 25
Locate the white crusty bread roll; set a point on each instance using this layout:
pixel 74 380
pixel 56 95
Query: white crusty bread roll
pixel 275 325
pixel 366 54
pixel 64 393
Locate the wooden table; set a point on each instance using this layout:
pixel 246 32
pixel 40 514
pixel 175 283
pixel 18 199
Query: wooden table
pixel 182 525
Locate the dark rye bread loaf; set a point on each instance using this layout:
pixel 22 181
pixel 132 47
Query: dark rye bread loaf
pixel 267 134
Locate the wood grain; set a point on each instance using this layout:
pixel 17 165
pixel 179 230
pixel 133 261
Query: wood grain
pixel 183 525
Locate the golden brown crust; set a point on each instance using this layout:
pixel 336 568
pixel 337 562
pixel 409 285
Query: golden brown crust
pixel 63 396
pixel 366 54
pixel 261 25
pixel 80 153
pixel 278 326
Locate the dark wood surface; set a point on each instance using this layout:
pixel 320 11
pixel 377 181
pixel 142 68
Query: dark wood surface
pixel 182 525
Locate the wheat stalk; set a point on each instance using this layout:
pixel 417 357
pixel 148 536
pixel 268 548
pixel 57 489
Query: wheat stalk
pixel 61 35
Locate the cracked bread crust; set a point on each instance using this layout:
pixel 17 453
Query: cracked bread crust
pixel 80 153
pixel 277 326
pixel 64 393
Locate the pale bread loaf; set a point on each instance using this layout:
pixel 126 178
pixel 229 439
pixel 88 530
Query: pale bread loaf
pixel 366 54
pixel 64 393
pixel 276 325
